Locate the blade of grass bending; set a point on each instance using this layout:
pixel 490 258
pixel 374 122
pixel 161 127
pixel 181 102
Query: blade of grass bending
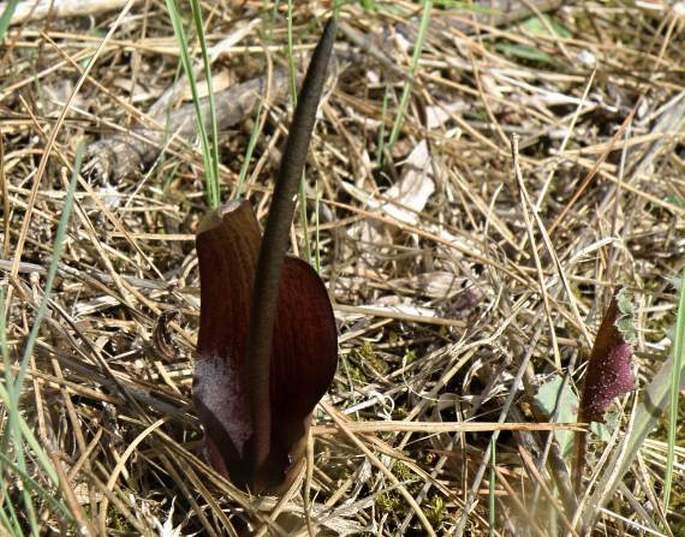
pixel 248 153
pixel 28 437
pixel 211 181
pixel 51 274
pixel 15 391
pixel 34 486
pixel 6 388
pixel 9 520
pixel 406 93
pixel 678 351
pixel 5 468
pixel 5 520
pixel 275 243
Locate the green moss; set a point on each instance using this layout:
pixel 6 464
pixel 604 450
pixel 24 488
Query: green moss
pixel 356 374
pixel 379 365
pixel 410 356
pixel 435 510
pixel 403 472
pixel 391 503
pixel 366 350
pixel 368 355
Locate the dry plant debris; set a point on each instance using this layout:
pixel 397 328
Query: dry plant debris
pixel 458 290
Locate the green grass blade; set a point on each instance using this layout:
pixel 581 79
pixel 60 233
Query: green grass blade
pixel 267 38
pixel 304 217
pixel 381 131
pixel 35 487
pixel 6 388
pixel 30 439
pixel 251 144
pixel 6 391
pixel 15 388
pixel 8 515
pixel 492 487
pixel 7 17
pixel 291 56
pixel 317 231
pixel 212 145
pixel 678 351
pixel 211 179
pixel 60 235
pixel 406 93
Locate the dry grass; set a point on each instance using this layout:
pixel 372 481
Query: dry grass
pixel 453 304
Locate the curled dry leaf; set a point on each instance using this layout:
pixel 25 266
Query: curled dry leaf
pixel 303 360
pixel 403 201
pixel 609 373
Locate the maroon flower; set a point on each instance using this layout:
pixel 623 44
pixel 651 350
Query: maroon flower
pixel 303 360
pixel 609 371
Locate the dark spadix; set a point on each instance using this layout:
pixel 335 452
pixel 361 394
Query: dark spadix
pixel 267 347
